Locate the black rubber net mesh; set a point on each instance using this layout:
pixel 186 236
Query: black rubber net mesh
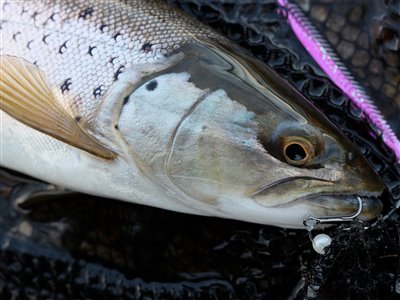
pixel 81 247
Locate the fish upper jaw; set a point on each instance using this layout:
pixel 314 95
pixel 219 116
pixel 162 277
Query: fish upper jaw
pixel 317 196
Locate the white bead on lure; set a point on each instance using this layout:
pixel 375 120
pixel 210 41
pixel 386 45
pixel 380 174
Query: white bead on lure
pixel 135 101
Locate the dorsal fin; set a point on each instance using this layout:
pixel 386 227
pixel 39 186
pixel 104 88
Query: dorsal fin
pixel 26 95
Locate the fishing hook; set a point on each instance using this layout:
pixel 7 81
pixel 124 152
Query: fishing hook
pixel 321 241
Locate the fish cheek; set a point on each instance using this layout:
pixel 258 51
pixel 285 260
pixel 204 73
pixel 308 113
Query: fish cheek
pixel 215 151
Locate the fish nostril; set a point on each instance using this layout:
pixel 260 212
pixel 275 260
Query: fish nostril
pixel 350 156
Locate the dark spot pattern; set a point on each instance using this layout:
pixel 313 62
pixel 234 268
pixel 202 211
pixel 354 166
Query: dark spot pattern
pixel 146 47
pixel 112 59
pixel 28 44
pixel 86 13
pixel 44 38
pixel 14 37
pixel 152 85
pixel 5 4
pixel 24 11
pixel 90 51
pixel 78 118
pixel 63 47
pixel 116 126
pixel 34 15
pixel 52 17
pixel 116 35
pixel 126 100
pixel 97 91
pixel 103 27
pixel 119 71
pixel 65 87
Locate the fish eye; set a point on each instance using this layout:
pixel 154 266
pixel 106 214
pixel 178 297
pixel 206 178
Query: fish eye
pixel 297 151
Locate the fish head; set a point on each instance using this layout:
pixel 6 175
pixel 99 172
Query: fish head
pixel 256 150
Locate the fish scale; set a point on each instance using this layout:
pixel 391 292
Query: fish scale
pixel 83 46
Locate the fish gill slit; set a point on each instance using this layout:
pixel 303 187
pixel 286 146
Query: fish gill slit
pixel 176 129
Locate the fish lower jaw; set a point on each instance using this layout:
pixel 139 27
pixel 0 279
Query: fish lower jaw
pixel 326 206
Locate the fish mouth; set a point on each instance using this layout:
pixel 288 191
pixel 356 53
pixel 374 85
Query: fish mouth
pixel 328 206
pixel 322 204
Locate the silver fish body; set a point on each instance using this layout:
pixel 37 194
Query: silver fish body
pixel 134 100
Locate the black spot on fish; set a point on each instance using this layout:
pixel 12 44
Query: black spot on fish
pixel 152 85
pixel 97 92
pixel 28 44
pixel 24 11
pixel 52 17
pixel 44 38
pixel 5 4
pixel 65 86
pixel 116 126
pixel 116 35
pixel 62 48
pixel 119 71
pixel 112 59
pixel 84 14
pixel 35 63
pixel 90 51
pixel 103 27
pixel 78 118
pixel 34 15
pixel 14 37
pixel 126 99
pixel 147 47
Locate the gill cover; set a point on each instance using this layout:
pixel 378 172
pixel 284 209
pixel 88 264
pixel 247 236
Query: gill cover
pixel 226 136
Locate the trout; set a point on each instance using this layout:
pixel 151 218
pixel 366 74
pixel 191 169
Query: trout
pixel 133 100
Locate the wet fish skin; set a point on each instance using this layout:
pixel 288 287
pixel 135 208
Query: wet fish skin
pixel 172 106
pixel 84 46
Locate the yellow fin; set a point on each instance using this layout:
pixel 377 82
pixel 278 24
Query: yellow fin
pixel 26 96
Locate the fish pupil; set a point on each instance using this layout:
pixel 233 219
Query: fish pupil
pixel 295 152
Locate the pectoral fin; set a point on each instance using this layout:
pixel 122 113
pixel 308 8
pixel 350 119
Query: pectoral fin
pixel 26 95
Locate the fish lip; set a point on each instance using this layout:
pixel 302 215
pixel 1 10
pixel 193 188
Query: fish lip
pixel 341 196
